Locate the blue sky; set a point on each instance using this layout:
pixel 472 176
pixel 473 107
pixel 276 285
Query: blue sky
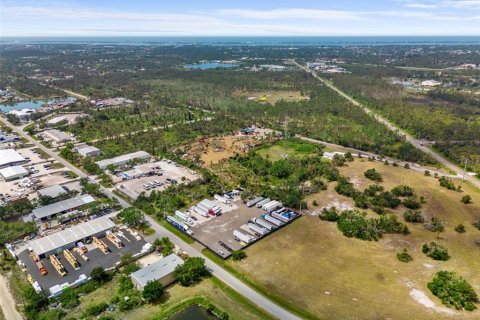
pixel 239 18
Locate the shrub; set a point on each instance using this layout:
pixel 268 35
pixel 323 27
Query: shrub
pixel 404 256
pixel 427 173
pixel 435 251
pixel 95 309
pixel 373 175
pixel 192 271
pixel 454 291
pixel 152 291
pixel 476 224
pixel 355 224
pixel 373 190
pixel 403 191
pixel 467 199
pixel 460 228
pixel 413 216
pixel 99 275
pixel 330 214
pixel 434 225
pixel 406 166
pixel 447 183
pixel 69 298
pixel 345 188
pixel 390 224
pixel 385 199
pixel 315 203
pixel 411 203
pixel 238 255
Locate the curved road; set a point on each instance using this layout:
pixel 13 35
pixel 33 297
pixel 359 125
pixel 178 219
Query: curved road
pixel 236 284
pixel 416 143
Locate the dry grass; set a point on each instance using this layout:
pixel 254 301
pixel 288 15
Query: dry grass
pixel 272 96
pixel 311 264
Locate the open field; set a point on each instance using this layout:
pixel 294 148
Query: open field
pixel 312 265
pixel 272 96
pixel 211 289
pixel 288 148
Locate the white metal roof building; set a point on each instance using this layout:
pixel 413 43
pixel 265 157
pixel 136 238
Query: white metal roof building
pixel 52 191
pixel 12 173
pixel 162 271
pixel 123 159
pixel 56 135
pixel 88 151
pixel 63 206
pixel 10 157
pixel 68 238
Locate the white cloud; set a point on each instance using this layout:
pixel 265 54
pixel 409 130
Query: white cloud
pixel 291 13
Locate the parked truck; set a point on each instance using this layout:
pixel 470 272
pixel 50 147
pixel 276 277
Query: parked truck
pixel 273 206
pixel 222 199
pixel 242 237
pixel 179 224
pixel 285 216
pixel 41 268
pixel 257 229
pixel 261 203
pixel 264 224
pixel 202 212
pixel 212 210
pixel 254 201
pixel 184 217
pixel 273 220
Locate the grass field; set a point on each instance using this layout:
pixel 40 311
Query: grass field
pixel 287 148
pixel 210 289
pixel 311 264
pixel 272 96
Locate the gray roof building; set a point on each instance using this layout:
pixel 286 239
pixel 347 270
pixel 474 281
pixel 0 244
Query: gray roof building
pixel 10 157
pixel 62 206
pixel 52 191
pixel 161 270
pixel 123 159
pixel 88 151
pixel 68 238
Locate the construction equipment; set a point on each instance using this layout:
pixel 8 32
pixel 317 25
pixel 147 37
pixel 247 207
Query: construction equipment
pixel 33 256
pixel 41 268
pixel 80 253
pixel 58 266
pixel 82 248
pixel 114 239
pixel 71 259
pixel 101 245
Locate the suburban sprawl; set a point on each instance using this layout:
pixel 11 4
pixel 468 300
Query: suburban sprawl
pixel 239 181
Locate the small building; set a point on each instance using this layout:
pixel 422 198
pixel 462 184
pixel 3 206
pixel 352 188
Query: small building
pixel 430 83
pixel 123 159
pixel 22 114
pixel 247 132
pixel 53 192
pixel 162 271
pixel 6 138
pixel 88 151
pixel 12 173
pixel 10 157
pixel 56 135
pixel 67 239
pixel 68 206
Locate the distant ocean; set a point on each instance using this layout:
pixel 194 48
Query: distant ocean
pixel 273 41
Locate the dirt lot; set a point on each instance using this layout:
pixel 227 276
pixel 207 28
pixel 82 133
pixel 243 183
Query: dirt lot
pixel 213 150
pixel 134 187
pixel 272 96
pixel 311 264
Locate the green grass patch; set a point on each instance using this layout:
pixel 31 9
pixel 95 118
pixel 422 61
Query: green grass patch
pixel 289 148
pixel 42 153
pixel 263 291
pixel 177 232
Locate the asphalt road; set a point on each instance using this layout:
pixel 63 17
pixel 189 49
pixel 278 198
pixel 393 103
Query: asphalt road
pixel 416 143
pixel 263 302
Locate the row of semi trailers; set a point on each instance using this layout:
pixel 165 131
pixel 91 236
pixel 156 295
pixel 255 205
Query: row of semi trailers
pixel 274 217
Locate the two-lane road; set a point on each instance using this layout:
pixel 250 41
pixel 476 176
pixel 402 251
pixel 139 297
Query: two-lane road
pixel 416 143
pixel 236 284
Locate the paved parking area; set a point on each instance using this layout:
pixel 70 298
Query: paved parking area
pixel 96 258
pixel 209 231
pixel 168 170
pixel 35 157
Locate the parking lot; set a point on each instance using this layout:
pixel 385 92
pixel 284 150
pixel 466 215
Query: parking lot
pixel 163 172
pixel 96 259
pixel 209 231
pixel 32 154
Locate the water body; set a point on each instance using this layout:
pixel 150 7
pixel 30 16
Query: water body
pixel 31 104
pixel 194 312
pixel 210 65
pixel 274 41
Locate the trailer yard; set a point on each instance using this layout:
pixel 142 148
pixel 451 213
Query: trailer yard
pixel 96 258
pixel 236 227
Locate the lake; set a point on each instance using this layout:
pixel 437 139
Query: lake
pixel 194 312
pixel 31 104
pixel 210 65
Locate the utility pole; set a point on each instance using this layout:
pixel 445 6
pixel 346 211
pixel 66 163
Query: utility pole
pixel 465 168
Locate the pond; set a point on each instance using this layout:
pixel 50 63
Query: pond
pixel 194 312
pixel 31 104
pixel 210 65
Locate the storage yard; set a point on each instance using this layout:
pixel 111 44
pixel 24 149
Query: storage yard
pixel 65 256
pixel 226 224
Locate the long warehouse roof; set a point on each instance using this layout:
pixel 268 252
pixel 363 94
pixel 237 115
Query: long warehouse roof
pixel 8 156
pixel 64 205
pixel 13 171
pixel 123 158
pixel 70 235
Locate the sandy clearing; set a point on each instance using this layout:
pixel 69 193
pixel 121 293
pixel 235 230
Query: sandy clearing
pixel 6 301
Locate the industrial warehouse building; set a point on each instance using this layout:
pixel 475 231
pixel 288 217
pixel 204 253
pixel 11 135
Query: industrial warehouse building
pixel 123 159
pixel 10 157
pixel 88 151
pixel 52 191
pixel 67 206
pixel 12 173
pixel 68 238
pixel 161 270
pixel 56 135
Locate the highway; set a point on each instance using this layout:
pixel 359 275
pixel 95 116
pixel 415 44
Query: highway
pixel 416 143
pixel 236 284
